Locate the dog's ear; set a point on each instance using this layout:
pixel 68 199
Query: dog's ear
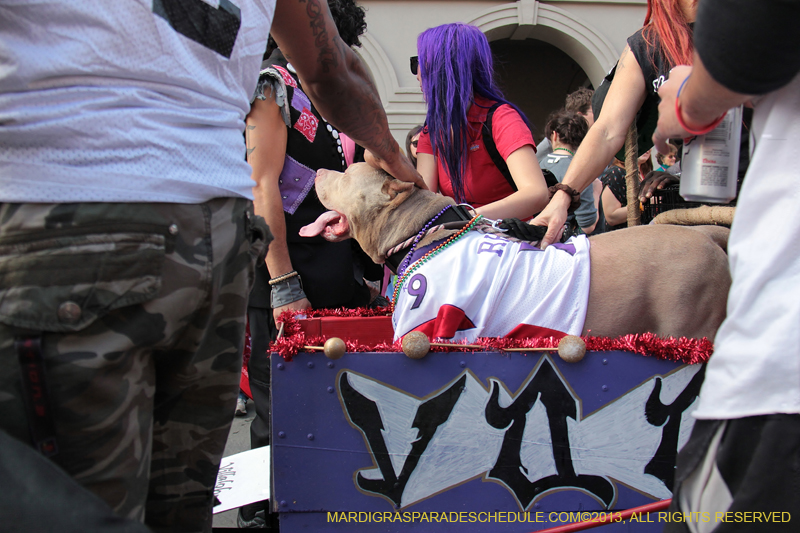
pixel 394 187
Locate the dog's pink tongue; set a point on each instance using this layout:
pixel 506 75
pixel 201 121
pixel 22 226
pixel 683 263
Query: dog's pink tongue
pixel 330 224
pixel 318 226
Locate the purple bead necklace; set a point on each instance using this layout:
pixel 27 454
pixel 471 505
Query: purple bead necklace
pixel 419 236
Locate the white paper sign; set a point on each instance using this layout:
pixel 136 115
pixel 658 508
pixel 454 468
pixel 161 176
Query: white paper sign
pixel 243 478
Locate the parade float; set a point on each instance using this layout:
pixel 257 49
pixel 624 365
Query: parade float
pixel 498 435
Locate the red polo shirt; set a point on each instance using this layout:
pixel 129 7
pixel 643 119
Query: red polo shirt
pixel 483 182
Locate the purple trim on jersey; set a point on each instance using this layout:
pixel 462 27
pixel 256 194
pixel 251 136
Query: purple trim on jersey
pixel 296 181
pixel 528 247
pixel 569 248
pixel 300 101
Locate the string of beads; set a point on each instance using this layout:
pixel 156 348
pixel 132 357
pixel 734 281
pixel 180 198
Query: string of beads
pixel 424 259
pixel 419 236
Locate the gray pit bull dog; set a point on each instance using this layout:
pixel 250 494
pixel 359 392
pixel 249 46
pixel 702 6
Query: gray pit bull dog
pixel 667 280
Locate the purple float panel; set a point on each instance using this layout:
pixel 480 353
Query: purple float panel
pixel 529 438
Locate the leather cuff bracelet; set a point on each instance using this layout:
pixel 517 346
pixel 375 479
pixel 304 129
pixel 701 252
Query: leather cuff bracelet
pixel 286 291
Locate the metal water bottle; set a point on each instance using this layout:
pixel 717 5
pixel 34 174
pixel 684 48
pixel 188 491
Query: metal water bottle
pixel 710 162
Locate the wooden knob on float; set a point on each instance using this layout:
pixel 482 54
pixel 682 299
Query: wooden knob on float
pixel 334 348
pixel 416 345
pixel 571 349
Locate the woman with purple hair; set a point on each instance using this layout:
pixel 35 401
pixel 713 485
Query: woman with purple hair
pixel 456 72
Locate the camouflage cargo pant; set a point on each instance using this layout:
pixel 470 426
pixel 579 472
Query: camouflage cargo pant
pixel 136 313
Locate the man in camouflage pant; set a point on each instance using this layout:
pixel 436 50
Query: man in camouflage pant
pixel 118 300
pixel 127 236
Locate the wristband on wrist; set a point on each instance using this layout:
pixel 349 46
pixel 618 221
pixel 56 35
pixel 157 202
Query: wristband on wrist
pixel 683 125
pixel 283 277
pixel 575 196
pixel 287 291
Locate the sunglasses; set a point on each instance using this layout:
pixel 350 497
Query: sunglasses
pixel 414 143
pixel 414 65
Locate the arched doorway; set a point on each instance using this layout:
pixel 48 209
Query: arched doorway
pixel 525 22
pixel 536 76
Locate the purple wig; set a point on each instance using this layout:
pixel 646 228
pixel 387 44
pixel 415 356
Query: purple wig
pixel 455 64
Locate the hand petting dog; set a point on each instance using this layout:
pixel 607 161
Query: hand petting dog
pixel 403 166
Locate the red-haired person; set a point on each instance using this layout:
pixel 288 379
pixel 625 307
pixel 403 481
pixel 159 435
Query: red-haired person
pixel 663 42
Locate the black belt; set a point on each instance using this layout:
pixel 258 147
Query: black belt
pixel 456 213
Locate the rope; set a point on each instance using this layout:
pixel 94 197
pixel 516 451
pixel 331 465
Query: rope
pixel 632 176
pixel 716 215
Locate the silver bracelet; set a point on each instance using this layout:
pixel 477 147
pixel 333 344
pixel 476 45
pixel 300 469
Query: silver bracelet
pixel 286 291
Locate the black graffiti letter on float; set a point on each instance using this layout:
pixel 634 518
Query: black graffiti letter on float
pixel 662 465
pixel 364 413
pixel 216 29
pixel 548 388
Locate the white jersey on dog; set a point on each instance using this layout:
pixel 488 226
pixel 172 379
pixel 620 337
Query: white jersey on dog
pixel 485 285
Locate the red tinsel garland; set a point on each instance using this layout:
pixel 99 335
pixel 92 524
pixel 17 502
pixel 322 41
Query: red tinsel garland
pixel 689 351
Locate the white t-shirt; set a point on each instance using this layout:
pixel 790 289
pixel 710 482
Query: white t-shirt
pixel 121 102
pixel 485 285
pixel 755 368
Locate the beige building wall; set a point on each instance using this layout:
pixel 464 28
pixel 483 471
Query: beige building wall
pixel 545 49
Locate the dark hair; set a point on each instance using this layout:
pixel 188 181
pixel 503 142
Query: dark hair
pixel 570 126
pixel 646 167
pixel 579 101
pixel 413 131
pixel 349 19
pixel 455 64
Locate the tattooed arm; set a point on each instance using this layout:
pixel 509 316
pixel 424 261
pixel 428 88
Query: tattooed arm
pixel 266 150
pixel 337 82
pixel 625 96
